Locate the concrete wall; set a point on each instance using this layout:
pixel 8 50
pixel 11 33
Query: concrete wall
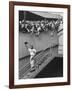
pixel 60 36
pixel 44 41
pixel 60 48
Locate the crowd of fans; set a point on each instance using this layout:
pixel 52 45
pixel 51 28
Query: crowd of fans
pixel 39 26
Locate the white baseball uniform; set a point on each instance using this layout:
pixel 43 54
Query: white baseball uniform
pixel 32 54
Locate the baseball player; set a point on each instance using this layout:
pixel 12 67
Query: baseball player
pixel 32 52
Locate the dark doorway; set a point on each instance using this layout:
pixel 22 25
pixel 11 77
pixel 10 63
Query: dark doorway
pixel 53 69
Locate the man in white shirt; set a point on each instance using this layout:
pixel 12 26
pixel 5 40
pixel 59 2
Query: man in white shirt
pixel 32 52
